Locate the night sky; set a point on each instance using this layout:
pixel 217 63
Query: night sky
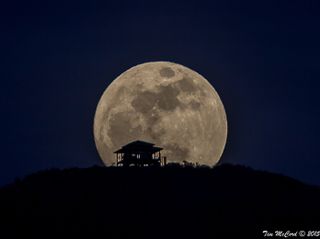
pixel 262 57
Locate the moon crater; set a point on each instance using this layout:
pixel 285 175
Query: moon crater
pixel 164 103
pixel 167 72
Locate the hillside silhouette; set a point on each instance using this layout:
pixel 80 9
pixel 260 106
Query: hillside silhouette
pixel 170 202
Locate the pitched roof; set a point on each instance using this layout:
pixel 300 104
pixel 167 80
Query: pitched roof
pixel 138 146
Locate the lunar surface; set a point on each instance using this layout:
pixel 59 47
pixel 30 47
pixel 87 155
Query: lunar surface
pixel 166 104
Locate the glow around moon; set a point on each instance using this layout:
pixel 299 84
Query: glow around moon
pixel 166 104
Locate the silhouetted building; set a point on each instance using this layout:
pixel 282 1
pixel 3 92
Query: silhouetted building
pixel 140 153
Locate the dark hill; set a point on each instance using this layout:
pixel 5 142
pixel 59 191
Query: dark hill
pixel 167 202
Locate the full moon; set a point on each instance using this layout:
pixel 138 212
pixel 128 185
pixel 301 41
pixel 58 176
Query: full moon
pixel 166 104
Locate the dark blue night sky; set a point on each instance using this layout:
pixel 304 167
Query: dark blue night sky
pixel 263 58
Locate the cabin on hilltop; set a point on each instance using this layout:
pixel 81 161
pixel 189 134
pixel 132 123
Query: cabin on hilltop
pixel 141 154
